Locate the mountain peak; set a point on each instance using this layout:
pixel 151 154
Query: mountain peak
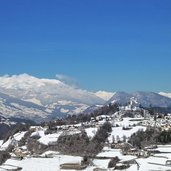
pixel 45 90
pixel 24 81
pixel 104 94
pixel 146 99
pixel 165 94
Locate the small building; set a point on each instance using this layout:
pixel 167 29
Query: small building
pixel 99 169
pixel 72 166
pixel 143 153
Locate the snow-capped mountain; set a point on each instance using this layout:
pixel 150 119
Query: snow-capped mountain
pixel 27 96
pixel 165 94
pixel 120 97
pixel 146 99
pixel 45 91
pixel 104 95
pixel 14 107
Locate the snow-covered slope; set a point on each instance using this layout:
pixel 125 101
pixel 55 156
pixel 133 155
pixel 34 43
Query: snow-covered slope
pixel 14 107
pixel 120 97
pixel 153 99
pixel 45 91
pixel 30 97
pixel 25 96
pixel 146 99
pixel 165 94
pixel 104 95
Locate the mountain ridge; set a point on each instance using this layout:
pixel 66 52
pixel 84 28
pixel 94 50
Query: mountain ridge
pixel 26 96
pixel 145 99
pixel 26 87
pixel 53 97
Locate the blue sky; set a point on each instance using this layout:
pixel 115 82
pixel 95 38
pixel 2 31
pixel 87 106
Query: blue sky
pixel 111 45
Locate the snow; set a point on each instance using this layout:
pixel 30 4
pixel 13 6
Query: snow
pixel 26 87
pixel 104 95
pixel 35 101
pixel 6 144
pixel 44 164
pixel 15 109
pixel 143 162
pixel 72 132
pixel 22 81
pixel 108 152
pixel 165 94
pixel 35 164
pixel 127 121
pixel 144 98
pixel 8 167
pixel 51 81
pixel 103 164
pixel 25 81
pixel 164 149
pixel 49 138
pixel 91 132
pixel 38 133
pixel 52 164
pixel 18 136
pixel 12 140
pixel 52 138
pixel 119 132
pixel 1 142
pixel 64 110
pixel 80 109
pixel 54 153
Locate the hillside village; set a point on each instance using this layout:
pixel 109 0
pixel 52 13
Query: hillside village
pixel 103 141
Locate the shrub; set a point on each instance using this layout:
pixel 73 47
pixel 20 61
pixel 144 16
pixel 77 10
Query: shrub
pixel 97 142
pixel 4 156
pixel 113 162
pixel 142 138
pixel 72 144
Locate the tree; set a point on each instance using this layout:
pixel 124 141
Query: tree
pixel 124 138
pixel 113 162
pixel 97 142
pixel 118 139
pixel 113 139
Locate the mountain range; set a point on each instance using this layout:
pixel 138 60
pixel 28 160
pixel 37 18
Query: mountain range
pixel 27 97
pixel 146 99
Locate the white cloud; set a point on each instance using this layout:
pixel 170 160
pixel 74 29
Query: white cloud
pixel 67 80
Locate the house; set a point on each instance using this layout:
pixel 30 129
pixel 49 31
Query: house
pixel 132 151
pixel 20 152
pixel 143 153
pixel 36 128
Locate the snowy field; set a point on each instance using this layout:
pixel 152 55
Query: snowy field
pixel 153 163
pixel 119 132
pixel 44 164
pixel 52 164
